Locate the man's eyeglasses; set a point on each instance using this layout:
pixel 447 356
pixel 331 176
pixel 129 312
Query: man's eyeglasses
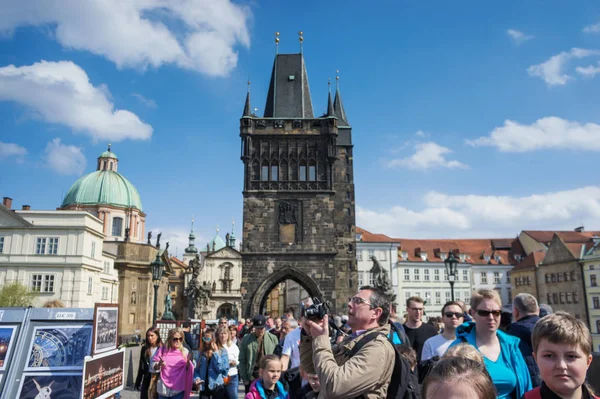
pixel 455 314
pixel 358 300
pixel 486 313
pixel 177 339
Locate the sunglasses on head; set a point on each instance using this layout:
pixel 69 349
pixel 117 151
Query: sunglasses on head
pixel 486 313
pixel 455 314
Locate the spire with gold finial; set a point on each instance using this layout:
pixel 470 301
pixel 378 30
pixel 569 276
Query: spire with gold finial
pixel 276 42
pixel 231 242
pixel 301 38
pixel 330 110
pixel 191 249
pixel 247 104
pixel 338 106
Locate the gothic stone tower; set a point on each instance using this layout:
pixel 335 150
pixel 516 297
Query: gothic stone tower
pixel 299 217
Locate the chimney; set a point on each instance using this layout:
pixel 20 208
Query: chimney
pixel 580 229
pixel 26 207
pixel 7 202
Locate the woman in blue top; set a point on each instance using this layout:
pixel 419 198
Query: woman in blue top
pixel 501 354
pixel 212 368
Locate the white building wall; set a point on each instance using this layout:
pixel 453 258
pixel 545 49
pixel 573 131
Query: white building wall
pixel 70 268
pixel 386 254
pixel 494 277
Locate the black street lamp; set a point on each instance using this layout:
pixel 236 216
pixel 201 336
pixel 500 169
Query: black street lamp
pixel 158 268
pixel 451 264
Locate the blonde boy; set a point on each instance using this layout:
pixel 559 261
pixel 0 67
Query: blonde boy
pixel 562 348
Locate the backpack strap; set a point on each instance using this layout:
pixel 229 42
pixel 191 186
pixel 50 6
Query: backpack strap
pixel 365 340
pixel 533 394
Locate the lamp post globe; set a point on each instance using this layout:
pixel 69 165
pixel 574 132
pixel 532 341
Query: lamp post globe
pixel 451 264
pixel 157 268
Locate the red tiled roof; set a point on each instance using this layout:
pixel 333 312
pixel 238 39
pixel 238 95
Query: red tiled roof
pixel 545 237
pixel 179 262
pixel 531 261
pixel 367 236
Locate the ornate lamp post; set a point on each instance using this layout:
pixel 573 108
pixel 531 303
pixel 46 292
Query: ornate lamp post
pixel 158 268
pixel 451 264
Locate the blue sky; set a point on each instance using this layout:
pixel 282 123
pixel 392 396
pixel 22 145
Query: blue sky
pixel 468 121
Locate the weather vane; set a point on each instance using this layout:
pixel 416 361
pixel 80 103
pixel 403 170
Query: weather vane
pixel 277 42
pixel 301 38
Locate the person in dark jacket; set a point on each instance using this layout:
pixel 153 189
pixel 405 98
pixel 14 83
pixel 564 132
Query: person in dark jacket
pixel 525 312
pixel 153 342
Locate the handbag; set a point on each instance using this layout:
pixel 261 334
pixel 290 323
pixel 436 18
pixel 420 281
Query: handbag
pixel 226 380
pixel 152 388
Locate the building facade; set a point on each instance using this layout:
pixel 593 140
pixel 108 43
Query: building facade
pixel 57 254
pixel 384 249
pixel 591 270
pixel 298 193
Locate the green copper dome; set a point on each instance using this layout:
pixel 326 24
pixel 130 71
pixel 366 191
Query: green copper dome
pixel 103 187
pixel 218 243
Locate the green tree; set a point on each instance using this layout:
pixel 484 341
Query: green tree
pixel 16 295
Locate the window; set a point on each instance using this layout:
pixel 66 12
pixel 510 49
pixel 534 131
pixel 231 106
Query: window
pixel 562 297
pixel 426 274
pixel 509 296
pixel 547 276
pixel 264 173
pixel 496 277
pixel 528 280
pixel 104 293
pixel 554 297
pixel 406 295
pixel 93 254
pixel 360 279
pixel 591 267
pixel 371 253
pixel 416 273
pixel 483 278
pixel 359 255
pixel 465 274
pixel 371 279
pixel 106 267
pixel 598 326
pixel 1 245
pixel 549 299
pixel 117 227
pixel 466 295
pixel 90 285
pixel 406 274
pixel 566 276
pixel 53 245
pixel 507 277
pixel 438 298
pixel 255 170
pixel 274 172
pixel 418 293
pixel 436 274
pixel 592 279
pixel 445 275
pixel 568 297
pixel 302 172
pixel 40 246
pixel 312 172
pixel 447 295
pixel 572 276
pixel 596 302
pixel 457 296
pixel 553 277
pixel 42 282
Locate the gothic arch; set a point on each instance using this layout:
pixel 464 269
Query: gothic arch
pixel 259 299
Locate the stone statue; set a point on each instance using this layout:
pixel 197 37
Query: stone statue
pixel 227 239
pixel 198 294
pixel 149 238
pixel 381 280
pixel 126 233
pixel 168 315
pixel 167 246
pixel 158 240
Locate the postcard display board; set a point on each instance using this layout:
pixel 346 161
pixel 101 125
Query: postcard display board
pixel 49 354
pixel 11 324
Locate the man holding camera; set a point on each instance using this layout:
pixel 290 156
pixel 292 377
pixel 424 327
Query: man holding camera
pixel 367 373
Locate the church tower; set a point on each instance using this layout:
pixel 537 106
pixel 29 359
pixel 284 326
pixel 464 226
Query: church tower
pixel 298 216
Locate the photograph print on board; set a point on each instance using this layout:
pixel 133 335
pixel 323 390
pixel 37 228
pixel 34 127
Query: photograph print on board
pixel 60 347
pixel 7 338
pixel 50 386
pixel 106 337
pixel 103 375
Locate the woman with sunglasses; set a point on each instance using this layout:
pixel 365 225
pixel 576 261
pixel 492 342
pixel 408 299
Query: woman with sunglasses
pixel 153 342
pixel 501 354
pixel 213 367
pixel 175 367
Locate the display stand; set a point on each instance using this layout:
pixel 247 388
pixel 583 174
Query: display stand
pixel 11 326
pixel 49 353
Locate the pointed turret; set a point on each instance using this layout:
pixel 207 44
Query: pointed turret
pixel 338 105
pixel 330 109
pixel 289 93
pixel 191 249
pixel 247 109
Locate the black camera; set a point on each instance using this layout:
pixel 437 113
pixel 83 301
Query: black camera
pixel 316 311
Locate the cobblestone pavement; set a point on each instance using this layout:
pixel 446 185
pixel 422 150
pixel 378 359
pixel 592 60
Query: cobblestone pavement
pixel 129 393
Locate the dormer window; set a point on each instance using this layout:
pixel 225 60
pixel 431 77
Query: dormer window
pixel 404 255
pixel 518 258
pixel 423 256
pixel 358 236
pixel 498 258
pixel 443 255
pixel 462 257
pixel 486 258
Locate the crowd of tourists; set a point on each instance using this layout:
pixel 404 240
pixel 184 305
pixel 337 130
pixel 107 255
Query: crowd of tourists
pixel 370 354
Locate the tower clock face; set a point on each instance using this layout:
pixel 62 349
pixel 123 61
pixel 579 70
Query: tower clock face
pixel 59 348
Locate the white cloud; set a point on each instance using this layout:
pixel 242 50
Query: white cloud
pixel 552 70
pixel 64 159
pixel 518 37
pixel 595 28
pixel 589 71
pixel 546 133
pixel 427 156
pixel 60 92
pixel 199 35
pixel 12 150
pixel 148 102
pixel 472 216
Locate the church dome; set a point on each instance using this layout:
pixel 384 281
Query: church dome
pixel 105 186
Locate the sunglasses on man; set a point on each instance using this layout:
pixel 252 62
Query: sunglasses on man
pixel 455 314
pixel 486 313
